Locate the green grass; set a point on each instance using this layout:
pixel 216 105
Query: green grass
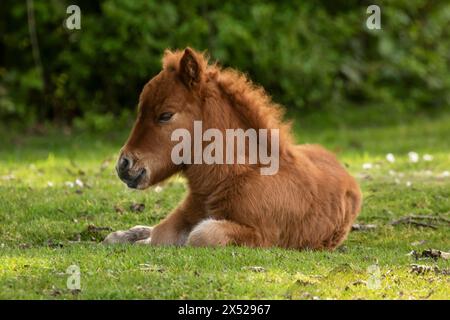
pixel 44 224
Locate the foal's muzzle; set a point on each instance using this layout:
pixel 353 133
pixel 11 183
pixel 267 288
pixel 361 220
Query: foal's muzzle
pixel 124 170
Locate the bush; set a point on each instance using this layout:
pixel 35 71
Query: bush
pixel 308 55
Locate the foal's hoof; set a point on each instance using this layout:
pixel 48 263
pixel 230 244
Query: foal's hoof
pixel 135 234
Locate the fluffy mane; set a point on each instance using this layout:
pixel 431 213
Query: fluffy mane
pixel 250 101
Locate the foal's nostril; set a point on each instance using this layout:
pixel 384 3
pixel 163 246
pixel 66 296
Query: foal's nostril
pixel 124 164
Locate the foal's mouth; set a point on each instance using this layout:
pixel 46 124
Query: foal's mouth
pixel 133 182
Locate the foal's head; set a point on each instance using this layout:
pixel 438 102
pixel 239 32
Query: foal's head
pixel 169 101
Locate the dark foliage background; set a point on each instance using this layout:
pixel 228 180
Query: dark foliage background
pixel 310 55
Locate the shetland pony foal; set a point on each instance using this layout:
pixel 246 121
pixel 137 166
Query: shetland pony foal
pixel 310 202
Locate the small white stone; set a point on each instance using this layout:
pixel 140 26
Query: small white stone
pixel 413 157
pixel 445 174
pixel 367 166
pixel 69 184
pixel 427 157
pixel 79 183
pixel 50 184
pixel 390 158
pixel 158 189
pixel 408 184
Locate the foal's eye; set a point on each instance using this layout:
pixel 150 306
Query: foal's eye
pixel 164 117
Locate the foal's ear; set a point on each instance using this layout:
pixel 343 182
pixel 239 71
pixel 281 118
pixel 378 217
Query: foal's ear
pixel 190 68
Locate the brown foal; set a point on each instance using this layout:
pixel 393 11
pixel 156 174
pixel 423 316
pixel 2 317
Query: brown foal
pixel 310 202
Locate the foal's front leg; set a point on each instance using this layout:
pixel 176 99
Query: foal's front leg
pixel 173 230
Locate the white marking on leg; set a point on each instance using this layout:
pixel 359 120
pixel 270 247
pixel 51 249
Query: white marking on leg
pixel 144 241
pixel 207 232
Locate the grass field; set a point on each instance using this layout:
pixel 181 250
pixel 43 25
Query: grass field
pixel 59 196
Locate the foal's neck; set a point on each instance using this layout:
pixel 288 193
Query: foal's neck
pixel 222 112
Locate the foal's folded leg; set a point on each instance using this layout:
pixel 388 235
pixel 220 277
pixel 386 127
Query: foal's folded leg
pixel 211 232
pixel 135 234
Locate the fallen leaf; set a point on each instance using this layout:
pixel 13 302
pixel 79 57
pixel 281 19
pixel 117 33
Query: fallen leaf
pixel 119 209
pixel 356 283
pixel 422 269
pixel 53 244
pixel 430 253
pixel 435 254
pixel 137 207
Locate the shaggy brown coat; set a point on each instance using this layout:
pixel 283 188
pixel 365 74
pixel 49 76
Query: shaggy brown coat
pixel 310 203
